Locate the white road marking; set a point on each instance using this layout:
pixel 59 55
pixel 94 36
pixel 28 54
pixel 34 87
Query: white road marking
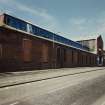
pixel 103 103
pixel 14 103
pixel 6 87
pixel 74 103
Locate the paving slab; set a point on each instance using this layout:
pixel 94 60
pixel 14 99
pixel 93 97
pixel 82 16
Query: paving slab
pixel 16 78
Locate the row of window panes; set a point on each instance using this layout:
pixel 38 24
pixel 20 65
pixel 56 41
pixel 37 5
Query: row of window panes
pixel 18 24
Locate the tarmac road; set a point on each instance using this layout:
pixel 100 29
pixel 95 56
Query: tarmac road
pixel 79 89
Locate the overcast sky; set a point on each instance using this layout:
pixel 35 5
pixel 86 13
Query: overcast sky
pixel 69 18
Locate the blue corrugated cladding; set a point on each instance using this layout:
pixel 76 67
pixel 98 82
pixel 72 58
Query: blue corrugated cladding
pixel 24 26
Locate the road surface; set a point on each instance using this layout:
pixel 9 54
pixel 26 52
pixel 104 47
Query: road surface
pixel 87 88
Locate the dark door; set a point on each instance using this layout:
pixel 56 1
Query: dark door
pixel 1 51
pixel 61 53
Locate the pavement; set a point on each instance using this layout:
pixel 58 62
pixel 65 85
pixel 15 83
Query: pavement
pixel 82 88
pixel 16 78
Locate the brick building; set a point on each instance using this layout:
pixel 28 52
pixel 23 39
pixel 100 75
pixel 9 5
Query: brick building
pixel 95 45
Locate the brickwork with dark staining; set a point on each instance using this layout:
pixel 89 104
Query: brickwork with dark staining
pixel 20 51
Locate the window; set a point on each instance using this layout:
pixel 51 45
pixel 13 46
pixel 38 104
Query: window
pixel 16 23
pixel 35 30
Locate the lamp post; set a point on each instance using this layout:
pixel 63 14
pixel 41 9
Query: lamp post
pixel 54 61
pixel 54 52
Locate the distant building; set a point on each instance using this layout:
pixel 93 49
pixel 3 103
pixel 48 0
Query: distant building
pixel 95 45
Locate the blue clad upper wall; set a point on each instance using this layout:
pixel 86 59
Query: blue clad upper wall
pixel 27 27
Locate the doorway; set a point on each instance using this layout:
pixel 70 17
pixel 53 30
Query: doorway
pixel 1 51
pixel 61 57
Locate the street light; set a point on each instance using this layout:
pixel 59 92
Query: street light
pixel 54 57
pixel 54 62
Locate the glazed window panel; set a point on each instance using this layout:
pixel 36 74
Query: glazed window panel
pixel 16 23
